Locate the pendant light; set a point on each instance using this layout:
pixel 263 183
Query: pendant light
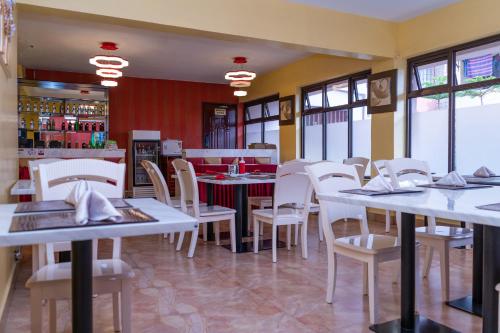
pixel 108 66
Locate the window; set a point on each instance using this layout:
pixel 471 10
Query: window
pixel 336 125
pixel 453 111
pixel 262 121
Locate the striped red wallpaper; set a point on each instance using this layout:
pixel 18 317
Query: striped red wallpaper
pixel 173 107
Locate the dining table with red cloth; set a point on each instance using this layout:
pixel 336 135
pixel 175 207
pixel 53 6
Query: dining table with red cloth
pixel 223 195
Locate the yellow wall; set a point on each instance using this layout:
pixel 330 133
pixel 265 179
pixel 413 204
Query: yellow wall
pixel 8 162
pixel 289 79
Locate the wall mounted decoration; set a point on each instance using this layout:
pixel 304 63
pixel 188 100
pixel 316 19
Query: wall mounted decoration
pixel 287 110
pixel 7 29
pixel 382 94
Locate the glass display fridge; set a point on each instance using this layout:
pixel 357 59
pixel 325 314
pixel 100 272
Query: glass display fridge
pixel 143 145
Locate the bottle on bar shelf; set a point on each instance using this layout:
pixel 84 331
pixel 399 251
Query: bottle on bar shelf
pixel 93 127
pixel 70 126
pixel 32 124
pixel 63 126
pixel 101 127
pixel 40 124
pixel 87 127
pixel 77 125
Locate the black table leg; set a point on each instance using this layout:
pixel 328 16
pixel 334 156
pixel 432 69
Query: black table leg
pixel 473 304
pixel 210 202
pixel 409 322
pixel 81 286
pixel 491 276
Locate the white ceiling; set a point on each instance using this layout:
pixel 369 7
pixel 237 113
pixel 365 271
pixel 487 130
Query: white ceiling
pixel 389 10
pixel 66 44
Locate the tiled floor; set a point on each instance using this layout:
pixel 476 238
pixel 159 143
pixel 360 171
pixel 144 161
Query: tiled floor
pixel 218 291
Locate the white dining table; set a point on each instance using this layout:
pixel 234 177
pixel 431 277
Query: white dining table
pixel 459 205
pixel 169 220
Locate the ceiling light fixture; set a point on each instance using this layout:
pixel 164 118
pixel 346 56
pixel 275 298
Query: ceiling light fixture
pixel 108 65
pixel 240 93
pixel 240 84
pixel 240 74
pixel 109 83
pixel 109 73
pixel 103 61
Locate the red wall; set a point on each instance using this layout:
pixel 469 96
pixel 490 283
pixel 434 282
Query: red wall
pixel 172 107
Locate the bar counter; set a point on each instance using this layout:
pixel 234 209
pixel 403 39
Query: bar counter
pixel 32 153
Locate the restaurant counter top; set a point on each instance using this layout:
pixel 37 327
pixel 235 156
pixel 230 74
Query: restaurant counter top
pixel 31 153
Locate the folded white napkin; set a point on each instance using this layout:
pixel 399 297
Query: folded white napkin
pixel 378 184
pixel 91 205
pixel 484 172
pixel 452 179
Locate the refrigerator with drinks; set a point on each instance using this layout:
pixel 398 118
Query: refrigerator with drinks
pixel 143 145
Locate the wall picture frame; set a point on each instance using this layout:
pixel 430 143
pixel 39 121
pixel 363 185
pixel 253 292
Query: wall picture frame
pixel 287 110
pixel 382 92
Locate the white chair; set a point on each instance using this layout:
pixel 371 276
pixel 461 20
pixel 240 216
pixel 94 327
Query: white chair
pixel 53 281
pixel 261 202
pixel 33 165
pixel 161 189
pixel 405 172
pixel 292 187
pixel 371 249
pixel 379 167
pixel 190 204
pixel 361 164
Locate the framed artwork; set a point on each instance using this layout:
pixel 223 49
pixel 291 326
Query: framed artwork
pixel 382 94
pixel 287 110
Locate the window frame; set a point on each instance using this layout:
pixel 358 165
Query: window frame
pixel 451 88
pixel 351 104
pixel 264 115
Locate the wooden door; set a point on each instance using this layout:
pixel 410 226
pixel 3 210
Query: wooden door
pixel 219 126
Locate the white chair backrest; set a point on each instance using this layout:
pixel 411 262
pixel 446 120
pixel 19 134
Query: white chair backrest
pixel 33 165
pixel 188 185
pixel 56 180
pixel 379 167
pixel 159 183
pixel 361 164
pixel 408 172
pixel 327 177
pixel 52 248
pixel 292 186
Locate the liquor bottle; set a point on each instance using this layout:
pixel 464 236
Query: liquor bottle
pixel 47 107
pixel 23 123
pixel 73 109
pixel 92 141
pixel 19 106
pixel 77 125
pixel 101 127
pixel 53 125
pixel 32 124
pixel 67 109
pixel 54 108
pixel 28 106
pixel 70 126
pixel 86 127
pixel 93 127
pixel 40 124
pixel 63 126
pixel 35 107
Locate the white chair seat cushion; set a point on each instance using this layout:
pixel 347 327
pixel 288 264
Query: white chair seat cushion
pixel 257 201
pixel 285 215
pixel 313 208
pixel 371 243
pixel 444 232
pixel 107 269
pixel 213 211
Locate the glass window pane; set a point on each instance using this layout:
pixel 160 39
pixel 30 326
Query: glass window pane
pixel 361 134
pixel 272 133
pixel 253 133
pixel 336 135
pixel 361 92
pixel 272 109
pixel 478 64
pixel 254 112
pixel 337 93
pixel 477 115
pixel 313 141
pixel 431 75
pixel 315 99
pixel 429 131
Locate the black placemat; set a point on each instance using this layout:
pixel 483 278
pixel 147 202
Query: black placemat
pixel 60 220
pixel 451 187
pixel 58 206
pixel 369 193
pixel 495 207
